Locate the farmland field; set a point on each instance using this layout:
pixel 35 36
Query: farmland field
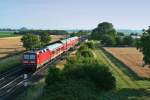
pixel 132 58
pixel 11 45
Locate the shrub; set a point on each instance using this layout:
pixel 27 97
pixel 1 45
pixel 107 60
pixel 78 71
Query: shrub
pixel 54 75
pixel 90 45
pixel 85 53
pixel 71 90
pixel 83 47
pixel 75 61
pixel 72 60
pixel 98 74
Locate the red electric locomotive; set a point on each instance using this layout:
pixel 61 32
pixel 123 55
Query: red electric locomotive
pixel 33 60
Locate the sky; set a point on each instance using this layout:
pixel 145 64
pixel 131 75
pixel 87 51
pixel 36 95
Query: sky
pixel 74 14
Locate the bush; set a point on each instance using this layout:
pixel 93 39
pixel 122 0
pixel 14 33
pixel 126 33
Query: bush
pixel 85 53
pixel 72 60
pixel 83 47
pixel 75 61
pixel 71 90
pixel 54 75
pixel 98 74
pixel 90 45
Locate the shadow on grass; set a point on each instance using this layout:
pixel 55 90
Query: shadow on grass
pixel 126 94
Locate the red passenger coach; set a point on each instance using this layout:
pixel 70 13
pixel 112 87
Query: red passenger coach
pixel 32 60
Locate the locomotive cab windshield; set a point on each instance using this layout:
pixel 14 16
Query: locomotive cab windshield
pixel 29 58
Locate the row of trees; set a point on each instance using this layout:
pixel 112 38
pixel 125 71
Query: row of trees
pixel 80 33
pixel 126 40
pixel 107 34
pixel 32 41
pixel 144 46
pixel 38 32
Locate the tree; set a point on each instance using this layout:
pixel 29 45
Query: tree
pixel 119 41
pixel 120 33
pixel 45 38
pixel 80 33
pixel 108 40
pixel 104 31
pixel 31 41
pixel 128 40
pixel 144 46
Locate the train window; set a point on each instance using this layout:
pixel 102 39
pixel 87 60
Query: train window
pixel 32 56
pixel 26 56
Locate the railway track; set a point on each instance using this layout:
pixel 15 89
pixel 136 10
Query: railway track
pixel 10 76
pixel 13 83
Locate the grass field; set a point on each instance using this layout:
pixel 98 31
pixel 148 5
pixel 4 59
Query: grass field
pixel 10 62
pixel 132 58
pixel 7 34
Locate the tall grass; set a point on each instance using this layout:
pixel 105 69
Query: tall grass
pixel 33 92
pixel 10 62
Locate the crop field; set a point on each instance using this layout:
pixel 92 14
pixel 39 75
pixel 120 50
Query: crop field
pixel 11 45
pixel 132 58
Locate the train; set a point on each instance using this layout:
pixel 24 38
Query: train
pixel 33 60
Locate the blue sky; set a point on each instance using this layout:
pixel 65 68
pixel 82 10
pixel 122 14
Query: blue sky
pixel 74 14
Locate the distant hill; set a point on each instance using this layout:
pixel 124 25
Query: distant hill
pixel 128 31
